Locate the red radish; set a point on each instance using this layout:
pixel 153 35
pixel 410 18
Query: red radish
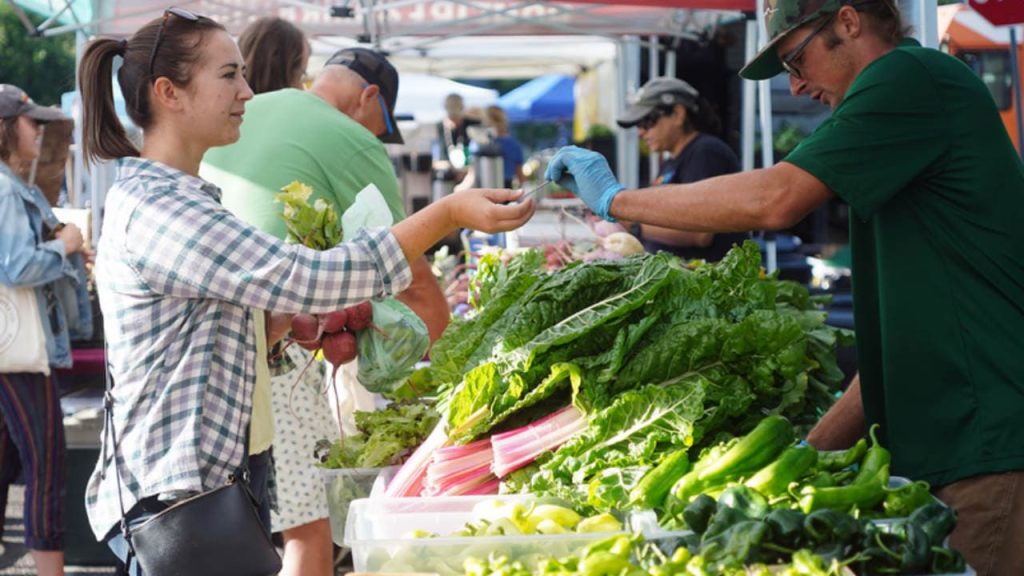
pixel 311 345
pixel 340 348
pixel 360 316
pixel 334 321
pixel 305 328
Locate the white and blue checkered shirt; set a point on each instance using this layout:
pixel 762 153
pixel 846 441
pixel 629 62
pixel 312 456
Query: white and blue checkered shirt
pixel 177 276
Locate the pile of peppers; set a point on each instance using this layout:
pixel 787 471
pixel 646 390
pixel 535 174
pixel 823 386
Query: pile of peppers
pixel 787 475
pixel 761 499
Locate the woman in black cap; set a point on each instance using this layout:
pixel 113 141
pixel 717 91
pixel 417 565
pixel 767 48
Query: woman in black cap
pixel 36 252
pixel 672 117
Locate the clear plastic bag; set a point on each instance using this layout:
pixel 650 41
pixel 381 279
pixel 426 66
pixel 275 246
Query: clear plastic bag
pixel 398 339
pixel 390 349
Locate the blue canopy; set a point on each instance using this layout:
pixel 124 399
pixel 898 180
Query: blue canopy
pixel 549 97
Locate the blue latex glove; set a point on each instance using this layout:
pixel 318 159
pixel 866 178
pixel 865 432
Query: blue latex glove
pixel 586 174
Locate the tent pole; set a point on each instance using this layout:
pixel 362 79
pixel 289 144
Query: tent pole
pixel 653 164
pixel 628 70
pixel 1015 75
pixel 767 152
pixel 922 17
pixel 749 96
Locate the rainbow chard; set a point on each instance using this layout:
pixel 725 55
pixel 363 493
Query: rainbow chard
pixel 519 447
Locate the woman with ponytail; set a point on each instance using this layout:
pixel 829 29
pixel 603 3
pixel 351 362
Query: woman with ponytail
pixel 181 281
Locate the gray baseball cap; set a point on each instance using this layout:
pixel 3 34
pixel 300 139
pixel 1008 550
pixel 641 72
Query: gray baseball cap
pixel 658 93
pixel 15 102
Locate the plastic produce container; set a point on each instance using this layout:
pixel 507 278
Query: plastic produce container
pixel 378 532
pixel 344 485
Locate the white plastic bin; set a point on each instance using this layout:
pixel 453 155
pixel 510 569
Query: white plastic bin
pixel 378 532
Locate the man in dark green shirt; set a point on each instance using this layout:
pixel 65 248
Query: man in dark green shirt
pixel 915 146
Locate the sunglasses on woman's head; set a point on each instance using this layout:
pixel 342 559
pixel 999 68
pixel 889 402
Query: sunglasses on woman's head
pixel 180 13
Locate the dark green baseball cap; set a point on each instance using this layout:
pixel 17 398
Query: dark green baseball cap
pixel 782 17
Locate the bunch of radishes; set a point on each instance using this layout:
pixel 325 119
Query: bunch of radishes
pixel 333 333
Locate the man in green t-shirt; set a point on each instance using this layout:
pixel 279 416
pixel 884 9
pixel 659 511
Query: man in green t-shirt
pixel 916 148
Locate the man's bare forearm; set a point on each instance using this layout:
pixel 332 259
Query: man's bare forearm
pixel 843 424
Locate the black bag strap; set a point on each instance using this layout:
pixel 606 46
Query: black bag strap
pixel 110 437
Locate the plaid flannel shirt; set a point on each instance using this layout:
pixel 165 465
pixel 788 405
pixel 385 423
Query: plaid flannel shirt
pixel 177 276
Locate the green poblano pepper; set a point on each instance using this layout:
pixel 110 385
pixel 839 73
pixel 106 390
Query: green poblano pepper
pixel 828 525
pixel 737 545
pixel 786 525
pixel 698 513
pixel 937 521
pixel 946 561
pixel 746 500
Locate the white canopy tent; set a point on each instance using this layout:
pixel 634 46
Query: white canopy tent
pixel 421 96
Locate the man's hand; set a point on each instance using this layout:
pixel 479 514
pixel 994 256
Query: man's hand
pixel 586 174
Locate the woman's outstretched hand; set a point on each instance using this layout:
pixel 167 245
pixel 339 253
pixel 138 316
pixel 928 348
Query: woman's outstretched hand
pixel 489 210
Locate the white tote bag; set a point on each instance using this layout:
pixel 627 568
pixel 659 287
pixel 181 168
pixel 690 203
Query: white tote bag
pixel 22 341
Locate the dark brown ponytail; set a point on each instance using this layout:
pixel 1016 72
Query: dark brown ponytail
pixel 103 135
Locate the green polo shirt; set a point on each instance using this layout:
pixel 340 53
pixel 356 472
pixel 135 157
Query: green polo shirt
pixel 292 135
pixel 918 151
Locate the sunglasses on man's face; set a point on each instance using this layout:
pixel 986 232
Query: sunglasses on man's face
pixel 789 60
pixel 172 11
pixel 383 110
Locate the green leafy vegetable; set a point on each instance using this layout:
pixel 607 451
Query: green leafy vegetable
pixel 315 226
pixel 386 437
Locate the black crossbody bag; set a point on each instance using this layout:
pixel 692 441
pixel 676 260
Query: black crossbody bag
pixel 215 533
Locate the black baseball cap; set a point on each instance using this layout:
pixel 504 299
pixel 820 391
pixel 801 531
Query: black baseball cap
pixel 375 69
pixel 15 102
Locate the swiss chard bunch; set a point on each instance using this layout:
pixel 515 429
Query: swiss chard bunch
pixel 316 225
